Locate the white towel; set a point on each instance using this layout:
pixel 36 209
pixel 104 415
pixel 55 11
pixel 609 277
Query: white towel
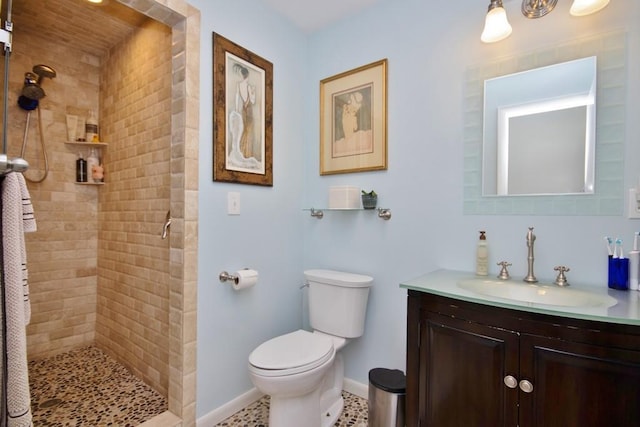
pixel 17 217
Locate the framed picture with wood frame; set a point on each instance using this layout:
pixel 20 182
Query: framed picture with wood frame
pixel 353 120
pixel 242 115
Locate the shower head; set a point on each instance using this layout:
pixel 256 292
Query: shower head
pixel 44 71
pixel 32 88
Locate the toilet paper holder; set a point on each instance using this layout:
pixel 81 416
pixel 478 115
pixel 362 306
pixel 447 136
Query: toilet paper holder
pixel 227 277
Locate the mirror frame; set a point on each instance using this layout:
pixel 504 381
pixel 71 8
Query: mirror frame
pixel 608 197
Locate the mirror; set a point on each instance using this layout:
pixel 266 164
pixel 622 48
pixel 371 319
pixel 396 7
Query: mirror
pixel 606 197
pixel 539 131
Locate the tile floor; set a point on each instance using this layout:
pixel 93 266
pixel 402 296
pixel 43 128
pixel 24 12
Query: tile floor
pixel 86 388
pixel 355 414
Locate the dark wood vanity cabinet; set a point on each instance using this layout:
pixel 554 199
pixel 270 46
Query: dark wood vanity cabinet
pixel 477 365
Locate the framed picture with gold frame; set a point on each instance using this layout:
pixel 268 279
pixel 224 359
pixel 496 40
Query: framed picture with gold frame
pixel 242 115
pixel 353 120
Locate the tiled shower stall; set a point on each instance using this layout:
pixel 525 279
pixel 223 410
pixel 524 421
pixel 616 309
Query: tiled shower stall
pixel 99 271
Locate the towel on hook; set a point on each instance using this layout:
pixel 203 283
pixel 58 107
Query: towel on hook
pixel 17 217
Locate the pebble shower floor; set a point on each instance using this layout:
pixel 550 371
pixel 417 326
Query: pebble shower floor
pixel 87 388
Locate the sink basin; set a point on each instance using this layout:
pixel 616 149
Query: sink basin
pixel 538 293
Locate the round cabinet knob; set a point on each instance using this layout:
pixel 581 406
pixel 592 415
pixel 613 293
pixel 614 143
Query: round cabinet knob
pixel 510 381
pixel 526 386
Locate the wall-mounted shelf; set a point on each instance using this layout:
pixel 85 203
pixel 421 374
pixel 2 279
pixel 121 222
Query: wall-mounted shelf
pixel 319 213
pixel 97 145
pixel 87 144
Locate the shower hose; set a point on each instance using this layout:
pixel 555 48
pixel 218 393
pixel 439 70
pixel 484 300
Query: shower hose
pixel 44 150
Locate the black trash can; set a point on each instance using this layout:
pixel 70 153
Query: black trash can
pixel 387 390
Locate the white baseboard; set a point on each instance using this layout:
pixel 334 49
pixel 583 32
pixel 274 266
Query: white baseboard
pixel 354 387
pixel 228 409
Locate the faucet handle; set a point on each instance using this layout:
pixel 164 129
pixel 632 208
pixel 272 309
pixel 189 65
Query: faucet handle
pixel 561 280
pixel 504 273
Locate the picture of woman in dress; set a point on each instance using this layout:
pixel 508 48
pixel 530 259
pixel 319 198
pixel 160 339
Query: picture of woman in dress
pixel 244 151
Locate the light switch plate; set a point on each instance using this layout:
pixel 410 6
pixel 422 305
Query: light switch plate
pixel 233 203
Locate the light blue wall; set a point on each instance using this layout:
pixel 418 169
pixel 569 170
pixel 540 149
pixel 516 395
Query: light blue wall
pixel 268 233
pixel 429 45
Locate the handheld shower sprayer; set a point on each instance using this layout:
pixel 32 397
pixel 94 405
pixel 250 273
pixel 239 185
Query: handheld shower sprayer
pixel 29 100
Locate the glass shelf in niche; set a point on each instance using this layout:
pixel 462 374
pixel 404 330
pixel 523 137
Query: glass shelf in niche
pixel 87 144
pixel 89 183
pixel 383 213
pixel 98 145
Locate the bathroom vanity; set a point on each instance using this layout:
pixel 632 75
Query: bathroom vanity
pixel 483 360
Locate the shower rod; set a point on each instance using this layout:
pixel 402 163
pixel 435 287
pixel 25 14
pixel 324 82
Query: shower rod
pixel 16 164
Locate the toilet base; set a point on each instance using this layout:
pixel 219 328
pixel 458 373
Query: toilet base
pixel 331 414
pixel 295 411
pixel 331 401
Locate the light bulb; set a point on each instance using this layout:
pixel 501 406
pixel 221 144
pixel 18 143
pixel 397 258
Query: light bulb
pixel 496 26
pixel 587 7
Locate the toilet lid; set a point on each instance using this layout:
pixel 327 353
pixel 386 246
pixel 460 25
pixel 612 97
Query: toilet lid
pixel 292 350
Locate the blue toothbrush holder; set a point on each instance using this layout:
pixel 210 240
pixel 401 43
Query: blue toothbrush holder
pixel 619 273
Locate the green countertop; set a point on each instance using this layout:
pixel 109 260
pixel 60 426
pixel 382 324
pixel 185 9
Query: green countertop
pixel 445 283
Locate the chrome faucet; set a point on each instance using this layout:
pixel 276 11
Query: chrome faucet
pixel 531 238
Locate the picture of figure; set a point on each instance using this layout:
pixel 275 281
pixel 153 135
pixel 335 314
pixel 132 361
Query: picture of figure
pixel 245 140
pixel 245 100
pixel 352 116
pixel 242 115
pixel 353 120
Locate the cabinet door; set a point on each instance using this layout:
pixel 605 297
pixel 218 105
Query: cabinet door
pixel 578 385
pixel 462 371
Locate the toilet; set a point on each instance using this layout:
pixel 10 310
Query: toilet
pixel 303 371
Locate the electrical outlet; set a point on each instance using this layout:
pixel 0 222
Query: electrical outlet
pixel 632 203
pixel 233 203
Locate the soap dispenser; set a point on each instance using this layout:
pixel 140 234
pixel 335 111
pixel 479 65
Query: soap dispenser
pixel 482 256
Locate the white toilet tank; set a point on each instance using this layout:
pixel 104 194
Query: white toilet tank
pixel 337 302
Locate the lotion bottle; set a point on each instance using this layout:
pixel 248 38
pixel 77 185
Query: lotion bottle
pixel 482 256
pixel 91 128
pixel 92 161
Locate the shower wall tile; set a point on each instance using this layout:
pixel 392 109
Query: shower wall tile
pixel 133 261
pixel 62 253
pixel 65 258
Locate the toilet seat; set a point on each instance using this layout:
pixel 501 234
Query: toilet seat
pixel 292 353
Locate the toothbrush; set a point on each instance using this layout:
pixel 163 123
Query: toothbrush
pixel 619 245
pixel 609 243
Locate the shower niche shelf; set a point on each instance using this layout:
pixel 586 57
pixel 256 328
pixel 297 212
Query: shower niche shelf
pixel 89 183
pixel 87 144
pixel 98 145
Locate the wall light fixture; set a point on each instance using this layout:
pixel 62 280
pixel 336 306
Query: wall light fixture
pixel 497 27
